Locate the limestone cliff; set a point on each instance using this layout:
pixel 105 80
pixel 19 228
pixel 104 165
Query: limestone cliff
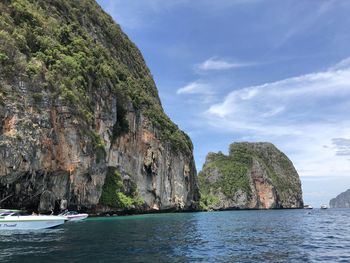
pixel 252 176
pixel 81 124
pixel 341 201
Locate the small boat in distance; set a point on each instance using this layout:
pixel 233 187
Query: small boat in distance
pixel 308 207
pixel 15 220
pixel 74 216
pixel 324 206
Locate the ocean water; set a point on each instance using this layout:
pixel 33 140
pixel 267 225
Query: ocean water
pixel 231 236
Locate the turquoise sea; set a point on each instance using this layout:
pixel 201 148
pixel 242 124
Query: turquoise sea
pixel 231 236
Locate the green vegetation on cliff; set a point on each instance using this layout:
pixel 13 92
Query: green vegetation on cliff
pixel 114 193
pixel 207 201
pixel 268 155
pixel 228 175
pixel 70 51
pixel 233 173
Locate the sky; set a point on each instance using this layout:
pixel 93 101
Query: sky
pixel 253 70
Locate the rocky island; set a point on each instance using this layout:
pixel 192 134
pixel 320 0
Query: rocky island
pixel 341 201
pixel 251 176
pixel 82 126
pixel 81 122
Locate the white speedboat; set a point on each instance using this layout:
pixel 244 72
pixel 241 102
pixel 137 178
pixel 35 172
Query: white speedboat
pixel 74 216
pixel 324 207
pixel 308 207
pixel 12 220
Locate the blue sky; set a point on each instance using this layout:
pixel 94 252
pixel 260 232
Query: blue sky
pixel 253 70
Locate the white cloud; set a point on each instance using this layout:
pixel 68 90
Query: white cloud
pixel 257 101
pixel 344 64
pixel 214 63
pixel 342 146
pixel 195 88
pixel 301 115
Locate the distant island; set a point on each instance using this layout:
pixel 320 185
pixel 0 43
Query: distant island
pixel 251 176
pixel 341 201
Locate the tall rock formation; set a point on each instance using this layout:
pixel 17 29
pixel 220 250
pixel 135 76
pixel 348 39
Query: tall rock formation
pixel 81 123
pixel 252 176
pixel 341 201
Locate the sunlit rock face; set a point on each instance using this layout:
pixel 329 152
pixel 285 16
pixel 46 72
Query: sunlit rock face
pixel 252 176
pixel 81 123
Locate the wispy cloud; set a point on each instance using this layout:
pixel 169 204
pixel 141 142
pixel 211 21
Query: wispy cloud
pixel 201 93
pixel 302 25
pixel 342 146
pixel 301 115
pixel 344 64
pixel 293 95
pixel 215 63
pixel 195 88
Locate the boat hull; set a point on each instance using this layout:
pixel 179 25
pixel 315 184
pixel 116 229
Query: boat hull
pixel 78 217
pixel 30 222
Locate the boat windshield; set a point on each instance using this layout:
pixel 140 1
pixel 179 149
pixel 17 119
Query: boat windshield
pixel 7 214
pixel 69 213
pixel 72 213
pixel 12 213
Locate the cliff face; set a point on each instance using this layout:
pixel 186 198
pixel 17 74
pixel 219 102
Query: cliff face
pixel 81 124
pixel 341 201
pixel 252 176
